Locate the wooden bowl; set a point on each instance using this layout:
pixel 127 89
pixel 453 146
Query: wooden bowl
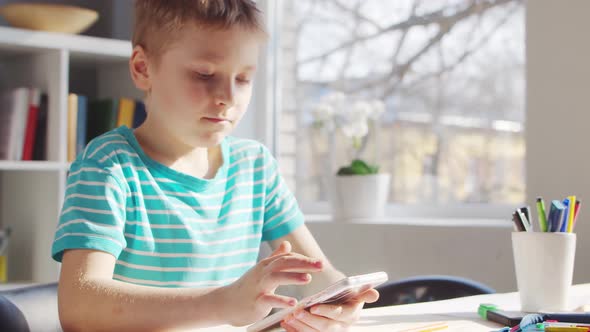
pixel 48 17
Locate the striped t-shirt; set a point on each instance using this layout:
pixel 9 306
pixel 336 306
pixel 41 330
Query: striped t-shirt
pixel 171 229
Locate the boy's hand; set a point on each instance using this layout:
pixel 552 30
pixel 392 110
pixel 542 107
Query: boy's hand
pixel 251 298
pixel 329 317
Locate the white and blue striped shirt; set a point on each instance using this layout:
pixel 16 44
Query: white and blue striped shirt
pixel 171 229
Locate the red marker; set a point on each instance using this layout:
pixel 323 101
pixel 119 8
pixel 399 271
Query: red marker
pixel 576 210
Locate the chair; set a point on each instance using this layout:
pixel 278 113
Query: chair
pixel 30 309
pixel 426 289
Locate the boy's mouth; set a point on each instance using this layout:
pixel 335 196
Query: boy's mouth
pixel 216 120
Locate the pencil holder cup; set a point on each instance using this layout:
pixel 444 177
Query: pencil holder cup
pixel 544 265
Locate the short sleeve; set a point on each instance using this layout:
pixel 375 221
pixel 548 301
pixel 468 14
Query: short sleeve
pixel 93 212
pixel 282 214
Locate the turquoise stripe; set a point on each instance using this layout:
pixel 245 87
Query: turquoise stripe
pixel 99 219
pixel 179 276
pixel 188 233
pixel 187 261
pixel 277 232
pixel 78 242
pixel 90 229
pixel 184 248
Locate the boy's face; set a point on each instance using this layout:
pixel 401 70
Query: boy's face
pixel 202 83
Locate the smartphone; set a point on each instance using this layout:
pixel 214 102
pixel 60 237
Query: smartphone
pixel 339 292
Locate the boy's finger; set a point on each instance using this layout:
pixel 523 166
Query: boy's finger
pixel 275 279
pixel 317 322
pixel 295 264
pixel 332 311
pixel 347 312
pixel 300 326
pixel 369 296
pixel 277 301
pixel 287 327
pixel 284 248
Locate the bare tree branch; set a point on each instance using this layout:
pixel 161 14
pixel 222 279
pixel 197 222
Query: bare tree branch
pixel 437 17
pixel 466 54
pixel 401 70
pixel 402 39
pixel 355 30
pixel 356 13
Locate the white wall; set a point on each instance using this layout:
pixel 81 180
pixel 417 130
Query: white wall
pixel 557 136
pixel 558 84
pixel 483 254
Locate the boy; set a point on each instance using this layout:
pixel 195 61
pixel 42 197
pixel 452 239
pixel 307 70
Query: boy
pixel 161 225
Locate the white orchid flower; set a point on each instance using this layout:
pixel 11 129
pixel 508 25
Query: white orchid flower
pixel 323 112
pixel 336 99
pixel 361 108
pixel 358 129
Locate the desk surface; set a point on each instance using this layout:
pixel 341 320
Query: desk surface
pixel 459 314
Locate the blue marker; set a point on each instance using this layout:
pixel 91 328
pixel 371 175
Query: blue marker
pixel 563 228
pixel 555 216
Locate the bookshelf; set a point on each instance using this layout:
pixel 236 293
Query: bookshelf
pixel 31 192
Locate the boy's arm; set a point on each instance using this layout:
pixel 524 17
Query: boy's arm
pixel 303 242
pixel 89 299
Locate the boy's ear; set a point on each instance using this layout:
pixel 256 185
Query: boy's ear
pixel 138 67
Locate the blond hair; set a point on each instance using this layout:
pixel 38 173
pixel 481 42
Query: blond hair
pixel 157 22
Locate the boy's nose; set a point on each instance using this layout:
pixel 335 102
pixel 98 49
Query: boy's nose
pixel 225 95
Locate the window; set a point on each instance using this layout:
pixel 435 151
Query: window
pixel 451 74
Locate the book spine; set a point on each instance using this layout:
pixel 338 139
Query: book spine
pixel 31 127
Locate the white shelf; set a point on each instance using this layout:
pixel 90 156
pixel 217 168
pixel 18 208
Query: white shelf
pixel 9 165
pixel 79 46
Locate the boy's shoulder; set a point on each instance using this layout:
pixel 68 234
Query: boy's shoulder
pixel 109 148
pixel 243 147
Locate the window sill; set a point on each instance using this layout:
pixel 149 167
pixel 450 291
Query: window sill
pixel 436 222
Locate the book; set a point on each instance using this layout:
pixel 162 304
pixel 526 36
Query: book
pixel 31 127
pixel 126 110
pixel 20 109
pixel 40 142
pixel 5 123
pixel 101 117
pixel 72 126
pixel 81 123
pixel 140 114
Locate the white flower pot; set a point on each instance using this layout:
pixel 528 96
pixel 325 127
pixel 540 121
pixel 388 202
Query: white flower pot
pixel 359 196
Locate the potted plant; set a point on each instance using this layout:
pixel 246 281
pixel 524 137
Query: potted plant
pixel 357 190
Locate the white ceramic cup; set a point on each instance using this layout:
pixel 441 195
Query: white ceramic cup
pixel 544 264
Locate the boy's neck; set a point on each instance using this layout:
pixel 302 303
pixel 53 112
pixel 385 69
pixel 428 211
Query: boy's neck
pixel 200 162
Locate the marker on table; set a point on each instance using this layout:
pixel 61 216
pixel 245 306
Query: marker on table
pixel 433 328
pixel 542 215
pixel 565 329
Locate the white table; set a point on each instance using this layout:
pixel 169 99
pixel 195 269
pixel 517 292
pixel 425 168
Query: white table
pixel 459 314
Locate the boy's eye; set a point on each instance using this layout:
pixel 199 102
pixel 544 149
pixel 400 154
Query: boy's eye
pixel 203 76
pixel 243 80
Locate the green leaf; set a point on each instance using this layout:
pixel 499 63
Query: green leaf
pixel 358 167
pixel 374 169
pixel 345 171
